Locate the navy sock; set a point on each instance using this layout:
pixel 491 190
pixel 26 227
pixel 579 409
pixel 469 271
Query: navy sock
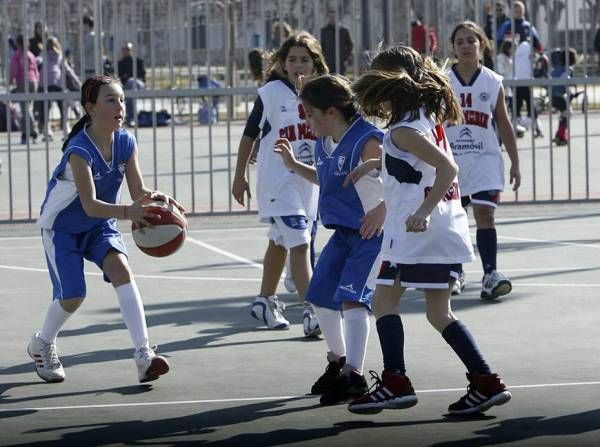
pixel 487 244
pixel 391 339
pixel 462 342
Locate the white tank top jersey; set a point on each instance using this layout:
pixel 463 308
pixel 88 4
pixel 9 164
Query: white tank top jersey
pixel 280 192
pixel 475 143
pixel 406 181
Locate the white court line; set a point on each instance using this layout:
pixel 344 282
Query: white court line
pixel 217 278
pixel 259 399
pixel 162 277
pixel 225 253
pixel 546 241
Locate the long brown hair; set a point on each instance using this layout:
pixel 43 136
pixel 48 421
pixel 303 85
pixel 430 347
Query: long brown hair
pixel 409 82
pixel 276 60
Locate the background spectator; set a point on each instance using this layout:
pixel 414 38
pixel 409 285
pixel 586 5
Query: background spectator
pixel 24 78
pixel 280 31
pixel 424 39
pixel 328 44
pixel 522 27
pixel 597 47
pixel 132 78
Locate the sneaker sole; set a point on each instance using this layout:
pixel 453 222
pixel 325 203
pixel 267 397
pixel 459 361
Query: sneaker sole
pixel 503 288
pixel 498 399
pixel 374 408
pixel 158 367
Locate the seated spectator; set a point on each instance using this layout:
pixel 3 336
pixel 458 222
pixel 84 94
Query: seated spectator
pixel 133 77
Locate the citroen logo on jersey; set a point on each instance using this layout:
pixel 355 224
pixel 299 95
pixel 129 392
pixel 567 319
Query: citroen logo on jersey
pixel 484 96
pixel 465 132
pixel 340 162
pixel 97 176
pixel 283 109
pixel 304 154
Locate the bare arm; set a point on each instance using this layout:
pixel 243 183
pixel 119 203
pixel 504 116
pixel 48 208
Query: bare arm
pixel 507 134
pixel 284 148
pixel 240 182
pixel 371 158
pixel 420 146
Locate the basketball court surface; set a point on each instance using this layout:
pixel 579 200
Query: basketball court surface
pixel 232 382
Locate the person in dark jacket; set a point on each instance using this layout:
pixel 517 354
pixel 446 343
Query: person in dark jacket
pixel 132 78
pixel 328 43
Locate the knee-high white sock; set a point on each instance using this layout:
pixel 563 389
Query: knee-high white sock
pixel 356 328
pixel 330 322
pixel 132 310
pixel 55 318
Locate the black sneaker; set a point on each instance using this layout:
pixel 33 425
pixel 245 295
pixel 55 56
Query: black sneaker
pixel 345 388
pixel 331 373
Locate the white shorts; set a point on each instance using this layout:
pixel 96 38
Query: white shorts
pixel 289 231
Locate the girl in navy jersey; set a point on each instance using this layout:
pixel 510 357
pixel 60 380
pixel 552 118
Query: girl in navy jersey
pixel 79 221
pixel 286 201
pixel 426 237
pixel 475 147
pixel 338 289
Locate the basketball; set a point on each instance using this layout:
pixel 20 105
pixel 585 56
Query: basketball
pixel 166 235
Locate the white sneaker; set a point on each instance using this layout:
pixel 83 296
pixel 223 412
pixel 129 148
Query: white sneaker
pixel 494 284
pixel 288 281
pixel 269 310
pixel 459 284
pixel 310 323
pixel 47 364
pixel 149 365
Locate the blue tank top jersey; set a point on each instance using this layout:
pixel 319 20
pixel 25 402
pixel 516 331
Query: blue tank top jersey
pixel 62 209
pixel 339 206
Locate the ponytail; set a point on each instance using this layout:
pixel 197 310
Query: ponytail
pixel 79 125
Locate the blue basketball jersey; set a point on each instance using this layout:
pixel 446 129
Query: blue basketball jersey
pixel 62 209
pixel 339 206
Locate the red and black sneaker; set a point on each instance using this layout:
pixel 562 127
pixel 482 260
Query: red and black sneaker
pixel 483 392
pixel 332 371
pixel 393 391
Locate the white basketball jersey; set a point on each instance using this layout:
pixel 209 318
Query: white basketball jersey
pixel 406 181
pixel 280 192
pixel 475 143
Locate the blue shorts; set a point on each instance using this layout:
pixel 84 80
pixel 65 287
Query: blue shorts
pixel 65 253
pixel 421 276
pixel 485 198
pixel 343 269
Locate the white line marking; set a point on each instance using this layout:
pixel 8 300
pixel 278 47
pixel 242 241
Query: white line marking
pixel 526 284
pixel 225 253
pixel 546 241
pixel 258 399
pixel 161 277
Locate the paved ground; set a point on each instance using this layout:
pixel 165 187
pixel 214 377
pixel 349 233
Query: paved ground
pixel 233 383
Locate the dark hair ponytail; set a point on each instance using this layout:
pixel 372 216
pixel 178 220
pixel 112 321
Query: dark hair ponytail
pixel 76 128
pixel 89 93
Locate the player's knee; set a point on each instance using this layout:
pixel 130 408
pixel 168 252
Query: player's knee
pixel 382 307
pixel 439 320
pixel 70 305
pixel 117 269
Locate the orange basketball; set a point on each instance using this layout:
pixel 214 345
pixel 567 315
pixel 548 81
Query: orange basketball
pixel 166 235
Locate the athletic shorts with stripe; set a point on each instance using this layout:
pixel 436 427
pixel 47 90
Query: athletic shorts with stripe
pixel 419 276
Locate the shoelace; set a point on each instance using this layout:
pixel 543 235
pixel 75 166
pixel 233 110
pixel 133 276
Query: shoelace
pixel 146 353
pixel 277 307
pixel 50 355
pixel 377 381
